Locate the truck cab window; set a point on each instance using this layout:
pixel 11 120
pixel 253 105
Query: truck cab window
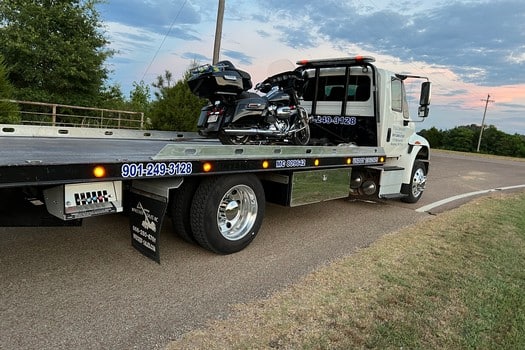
pixel 332 88
pixel 396 95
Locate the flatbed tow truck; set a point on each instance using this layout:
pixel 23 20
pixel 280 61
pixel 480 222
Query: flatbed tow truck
pixel 364 145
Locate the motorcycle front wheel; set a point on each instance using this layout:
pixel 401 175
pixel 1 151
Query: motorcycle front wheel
pixel 302 137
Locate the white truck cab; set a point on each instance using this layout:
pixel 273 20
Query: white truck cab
pixel 351 101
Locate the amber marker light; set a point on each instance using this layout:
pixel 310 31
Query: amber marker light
pixel 206 167
pixel 99 171
pixel 265 164
pixel 381 159
pixel 348 161
pixel 316 162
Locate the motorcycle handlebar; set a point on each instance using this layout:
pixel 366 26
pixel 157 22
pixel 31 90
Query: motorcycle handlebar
pixel 291 79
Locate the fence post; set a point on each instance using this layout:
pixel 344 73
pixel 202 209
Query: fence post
pixel 54 115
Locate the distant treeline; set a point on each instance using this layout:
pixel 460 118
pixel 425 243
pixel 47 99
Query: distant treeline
pixel 466 138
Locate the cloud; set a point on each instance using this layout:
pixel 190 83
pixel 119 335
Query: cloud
pixel 156 16
pixel 196 57
pixel 482 42
pixel 455 92
pixel 238 56
pixel 263 33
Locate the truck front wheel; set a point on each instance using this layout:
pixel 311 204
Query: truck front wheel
pixel 418 180
pixel 227 212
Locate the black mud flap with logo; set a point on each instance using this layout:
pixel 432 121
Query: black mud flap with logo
pixel 146 214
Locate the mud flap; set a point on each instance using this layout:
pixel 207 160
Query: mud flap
pixel 146 215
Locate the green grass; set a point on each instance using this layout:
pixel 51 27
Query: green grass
pixel 456 281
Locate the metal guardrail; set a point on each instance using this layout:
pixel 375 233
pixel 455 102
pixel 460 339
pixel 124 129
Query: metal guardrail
pixel 53 114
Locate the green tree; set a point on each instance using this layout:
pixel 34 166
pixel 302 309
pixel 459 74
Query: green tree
pixel 8 111
pixel 459 139
pixel 176 108
pixel 434 137
pixel 56 50
pixel 139 97
pixel 112 97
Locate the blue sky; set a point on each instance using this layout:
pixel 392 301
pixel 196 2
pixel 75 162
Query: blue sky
pixel 468 49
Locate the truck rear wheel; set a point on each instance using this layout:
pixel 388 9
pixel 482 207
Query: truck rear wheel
pixel 414 190
pixel 227 212
pixel 180 210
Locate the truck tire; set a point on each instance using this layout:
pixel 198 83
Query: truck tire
pixel 414 190
pixel 227 212
pixel 180 209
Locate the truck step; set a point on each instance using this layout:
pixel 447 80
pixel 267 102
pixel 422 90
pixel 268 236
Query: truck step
pixel 386 168
pixel 393 196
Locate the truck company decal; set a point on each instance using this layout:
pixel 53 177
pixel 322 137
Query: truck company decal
pixel 365 160
pixel 155 169
pixel 290 163
pixel 334 119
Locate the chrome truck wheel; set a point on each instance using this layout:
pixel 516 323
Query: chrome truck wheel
pixel 415 189
pixel 227 212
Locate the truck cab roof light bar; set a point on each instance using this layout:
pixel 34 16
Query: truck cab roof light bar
pixel 335 62
pixel 405 76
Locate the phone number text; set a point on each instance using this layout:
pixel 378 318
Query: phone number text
pixel 155 169
pixel 336 120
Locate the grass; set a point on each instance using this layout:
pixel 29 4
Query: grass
pixel 455 281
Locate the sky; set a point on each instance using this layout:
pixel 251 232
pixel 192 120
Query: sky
pixel 469 50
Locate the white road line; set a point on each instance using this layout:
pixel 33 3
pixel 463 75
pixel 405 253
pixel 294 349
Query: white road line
pixel 464 195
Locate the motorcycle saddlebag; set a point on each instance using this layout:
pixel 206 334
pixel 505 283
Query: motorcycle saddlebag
pixel 252 106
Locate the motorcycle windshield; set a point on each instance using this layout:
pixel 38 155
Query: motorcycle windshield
pixel 279 66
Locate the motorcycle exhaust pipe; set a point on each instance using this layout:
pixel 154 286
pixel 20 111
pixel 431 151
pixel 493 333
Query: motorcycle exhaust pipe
pixel 252 132
pixel 257 131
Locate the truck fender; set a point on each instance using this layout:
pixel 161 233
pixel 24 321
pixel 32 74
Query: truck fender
pixel 418 149
pixel 417 140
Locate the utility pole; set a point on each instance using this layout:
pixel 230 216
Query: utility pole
pixel 487 100
pixel 218 32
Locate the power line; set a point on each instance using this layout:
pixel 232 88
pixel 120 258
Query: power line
pixel 164 39
pixel 487 100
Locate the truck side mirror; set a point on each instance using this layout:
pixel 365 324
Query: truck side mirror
pixel 424 100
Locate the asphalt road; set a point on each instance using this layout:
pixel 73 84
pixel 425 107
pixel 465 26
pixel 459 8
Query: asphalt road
pixel 87 288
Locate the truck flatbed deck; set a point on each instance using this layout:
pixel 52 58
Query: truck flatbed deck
pixel 54 158
pixel 16 151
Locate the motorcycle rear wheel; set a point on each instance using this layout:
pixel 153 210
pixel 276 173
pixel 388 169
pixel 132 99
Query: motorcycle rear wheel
pixel 233 139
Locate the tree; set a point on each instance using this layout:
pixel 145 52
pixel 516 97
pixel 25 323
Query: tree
pixel 176 108
pixel 459 139
pixel 56 50
pixel 434 137
pixel 8 111
pixel 140 97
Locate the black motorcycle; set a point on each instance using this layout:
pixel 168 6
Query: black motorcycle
pixel 236 116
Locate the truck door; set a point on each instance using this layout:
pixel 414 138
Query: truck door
pixel 396 120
